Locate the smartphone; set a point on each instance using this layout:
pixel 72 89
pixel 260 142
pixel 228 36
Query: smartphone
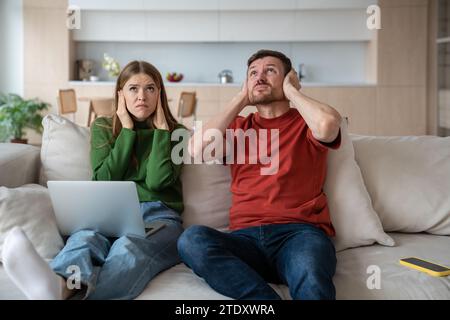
pixel 154 227
pixel 431 268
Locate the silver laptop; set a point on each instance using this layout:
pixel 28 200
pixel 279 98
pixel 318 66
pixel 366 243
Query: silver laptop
pixel 109 207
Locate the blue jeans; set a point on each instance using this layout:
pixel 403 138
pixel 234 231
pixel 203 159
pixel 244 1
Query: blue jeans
pixel 120 268
pixel 241 263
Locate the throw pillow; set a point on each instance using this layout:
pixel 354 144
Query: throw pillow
pixel 65 150
pixel 408 179
pixel 355 221
pixel 30 207
pixel 206 195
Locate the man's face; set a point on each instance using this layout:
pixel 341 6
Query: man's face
pixel 265 81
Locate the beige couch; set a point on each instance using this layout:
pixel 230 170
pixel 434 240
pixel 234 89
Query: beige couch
pixel 388 196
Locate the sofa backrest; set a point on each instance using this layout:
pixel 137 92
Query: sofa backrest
pixel 19 164
pixel 207 196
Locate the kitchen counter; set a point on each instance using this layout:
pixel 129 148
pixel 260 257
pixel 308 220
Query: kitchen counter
pixel 215 84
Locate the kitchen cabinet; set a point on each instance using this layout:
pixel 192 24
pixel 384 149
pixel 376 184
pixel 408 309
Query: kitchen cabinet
pixel 114 26
pixel 111 26
pixel 223 20
pixel 178 26
pixel 331 25
pixel 333 4
pixel 257 26
pixel 222 5
pixel 294 26
pixel 109 5
pixel 252 5
pixel 148 5
pixel 226 26
pixel 183 5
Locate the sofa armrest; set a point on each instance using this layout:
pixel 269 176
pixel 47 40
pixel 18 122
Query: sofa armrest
pixel 19 164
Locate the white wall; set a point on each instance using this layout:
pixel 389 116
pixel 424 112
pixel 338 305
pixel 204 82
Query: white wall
pixel 327 62
pixel 11 46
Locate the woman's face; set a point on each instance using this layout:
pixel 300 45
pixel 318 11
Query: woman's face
pixel 141 96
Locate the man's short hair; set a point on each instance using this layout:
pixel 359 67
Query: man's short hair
pixel 270 53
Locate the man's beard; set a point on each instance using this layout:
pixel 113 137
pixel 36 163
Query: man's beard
pixel 265 99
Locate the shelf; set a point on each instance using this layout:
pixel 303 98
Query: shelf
pixel 443 40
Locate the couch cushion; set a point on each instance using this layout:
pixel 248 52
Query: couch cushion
pixel 408 179
pixel 351 212
pixel 180 283
pixel 397 281
pixel 30 207
pixel 19 164
pixel 65 150
pixel 206 195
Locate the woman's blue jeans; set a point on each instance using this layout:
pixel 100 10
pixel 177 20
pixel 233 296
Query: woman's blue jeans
pixel 120 268
pixel 241 263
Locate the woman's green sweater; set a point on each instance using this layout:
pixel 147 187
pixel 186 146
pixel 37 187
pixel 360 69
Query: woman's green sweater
pixel 141 155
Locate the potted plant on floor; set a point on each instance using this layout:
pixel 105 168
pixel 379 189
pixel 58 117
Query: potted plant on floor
pixel 16 114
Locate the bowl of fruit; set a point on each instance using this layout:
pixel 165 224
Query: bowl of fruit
pixel 174 77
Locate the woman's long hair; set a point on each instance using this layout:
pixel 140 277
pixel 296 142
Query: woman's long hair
pixel 142 67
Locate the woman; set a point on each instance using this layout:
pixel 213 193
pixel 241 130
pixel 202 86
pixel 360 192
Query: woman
pixel 135 145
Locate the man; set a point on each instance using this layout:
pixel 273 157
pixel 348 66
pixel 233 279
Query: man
pixel 280 223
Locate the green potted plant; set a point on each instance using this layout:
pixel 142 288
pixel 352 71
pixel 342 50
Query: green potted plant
pixel 16 114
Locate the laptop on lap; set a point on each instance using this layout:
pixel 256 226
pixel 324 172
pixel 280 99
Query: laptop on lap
pixel 109 207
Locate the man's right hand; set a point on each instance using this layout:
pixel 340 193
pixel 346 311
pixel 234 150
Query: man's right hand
pixel 123 114
pixel 220 122
pixel 242 97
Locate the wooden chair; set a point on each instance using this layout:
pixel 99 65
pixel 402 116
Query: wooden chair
pixel 187 105
pixel 100 107
pixel 67 102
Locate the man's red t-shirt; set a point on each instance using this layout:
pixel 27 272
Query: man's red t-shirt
pixel 293 194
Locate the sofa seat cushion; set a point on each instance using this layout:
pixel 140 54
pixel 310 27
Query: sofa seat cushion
pixel 397 281
pixel 180 283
